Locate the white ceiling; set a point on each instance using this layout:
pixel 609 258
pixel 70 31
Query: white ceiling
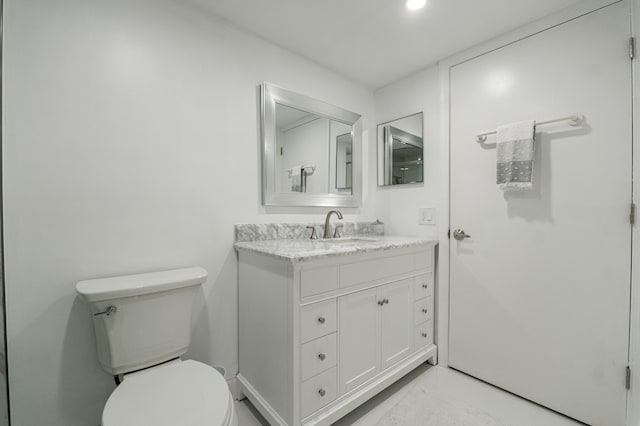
pixel 377 42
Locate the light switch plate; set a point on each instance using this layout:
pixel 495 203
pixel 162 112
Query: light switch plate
pixel 426 216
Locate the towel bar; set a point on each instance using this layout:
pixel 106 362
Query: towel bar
pixel 574 120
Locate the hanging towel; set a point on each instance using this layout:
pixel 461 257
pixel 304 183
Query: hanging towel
pixel 514 155
pixel 295 173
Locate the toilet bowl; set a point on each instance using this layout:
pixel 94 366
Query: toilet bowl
pixel 184 393
pixel 143 325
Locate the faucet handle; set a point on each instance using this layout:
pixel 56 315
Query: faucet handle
pixel 313 236
pixel 336 232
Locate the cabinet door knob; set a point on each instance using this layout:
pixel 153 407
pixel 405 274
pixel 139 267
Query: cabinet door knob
pixel 381 302
pixel 424 335
pixel 321 320
pixel 322 392
pixel 386 301
pixel 322 357
pixel 425 285
pixel 424 310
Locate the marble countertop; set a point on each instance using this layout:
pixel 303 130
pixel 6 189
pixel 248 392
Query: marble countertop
pixel 300 250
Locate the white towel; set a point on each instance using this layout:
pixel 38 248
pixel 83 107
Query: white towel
pixel 295 173
pixel 514 155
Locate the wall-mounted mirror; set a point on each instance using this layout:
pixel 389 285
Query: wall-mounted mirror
pixel 401 151
pixel 310 151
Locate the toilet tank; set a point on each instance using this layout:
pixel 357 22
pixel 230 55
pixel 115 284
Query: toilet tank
pixel 142 320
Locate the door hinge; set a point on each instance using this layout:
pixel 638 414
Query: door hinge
pixel 628 378
pixel 632 47
pixel 632 214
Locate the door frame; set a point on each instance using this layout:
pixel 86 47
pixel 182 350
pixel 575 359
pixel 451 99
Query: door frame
pixel 444 199
pixel 633 396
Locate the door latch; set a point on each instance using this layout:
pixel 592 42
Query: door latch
pixel 460 235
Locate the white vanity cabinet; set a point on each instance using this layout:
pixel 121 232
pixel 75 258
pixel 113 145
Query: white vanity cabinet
pixel 319 337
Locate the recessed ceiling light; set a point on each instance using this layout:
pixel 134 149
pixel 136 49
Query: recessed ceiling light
pixel 415 4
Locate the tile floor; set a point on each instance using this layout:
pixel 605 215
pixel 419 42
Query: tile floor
pixel 437 396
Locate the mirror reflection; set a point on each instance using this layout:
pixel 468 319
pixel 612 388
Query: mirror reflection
pixel 306 145
pixel 401 151
pixel 344 145
pixel 308 151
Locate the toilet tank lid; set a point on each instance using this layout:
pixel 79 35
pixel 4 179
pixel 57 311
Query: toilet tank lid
pixel 139 284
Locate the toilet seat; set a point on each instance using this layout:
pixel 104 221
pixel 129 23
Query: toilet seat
pixel 185 393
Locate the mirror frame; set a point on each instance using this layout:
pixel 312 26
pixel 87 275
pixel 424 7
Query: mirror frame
pixel 269 96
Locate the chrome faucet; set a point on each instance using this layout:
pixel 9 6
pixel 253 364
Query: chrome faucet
pixel 327 225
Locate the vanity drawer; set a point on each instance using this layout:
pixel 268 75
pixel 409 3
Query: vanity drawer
pixel 318 391
pixel 361 272
pixel 423 286
pixel 317 319
pixel 424 259
pixel 318 355
pixel 319 280
pixel 422 311
pixel 423 335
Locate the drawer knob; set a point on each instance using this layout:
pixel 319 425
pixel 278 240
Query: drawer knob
pixel 425 285
pixel 321 320
pixel 424 335
pixel 322 357
pixel 322 392
pixel 424 310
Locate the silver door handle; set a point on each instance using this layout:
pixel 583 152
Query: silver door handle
pixel 460 235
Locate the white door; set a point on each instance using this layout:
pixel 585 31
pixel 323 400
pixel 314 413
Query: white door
pixel 539 297
pixel 396 322
pixel 359 338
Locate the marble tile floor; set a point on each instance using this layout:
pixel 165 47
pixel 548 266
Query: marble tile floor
pixel 437 396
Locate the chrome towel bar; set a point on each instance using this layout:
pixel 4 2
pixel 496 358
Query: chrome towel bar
pixel 573 120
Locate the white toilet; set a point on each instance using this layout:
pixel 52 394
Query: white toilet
pixel 143 325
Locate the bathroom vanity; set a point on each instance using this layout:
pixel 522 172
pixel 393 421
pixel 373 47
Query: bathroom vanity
pixel 325 325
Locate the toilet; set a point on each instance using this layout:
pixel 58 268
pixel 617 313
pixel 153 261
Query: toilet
pixel 143 325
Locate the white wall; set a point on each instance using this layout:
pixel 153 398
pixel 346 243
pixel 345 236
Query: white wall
pixel 398 204
pixel 130 145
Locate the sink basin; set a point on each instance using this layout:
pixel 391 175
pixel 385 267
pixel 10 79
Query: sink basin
pixel 344 241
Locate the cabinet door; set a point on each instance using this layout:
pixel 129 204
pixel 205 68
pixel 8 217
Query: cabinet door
pixel 359 338
pixel 396 323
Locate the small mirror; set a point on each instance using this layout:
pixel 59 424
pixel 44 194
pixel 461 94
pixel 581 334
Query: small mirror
pixel 401 151
pixel 309 148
